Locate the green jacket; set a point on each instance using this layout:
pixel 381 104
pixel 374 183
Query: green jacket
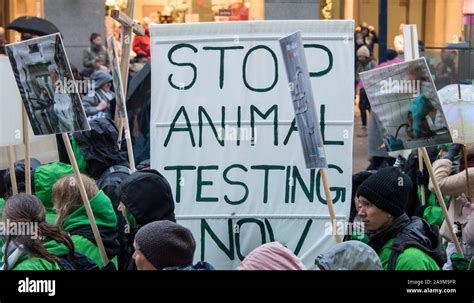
pixel 45 177
pixel 410 259
pixel 432 213
pixel 26 262
pixel 105 217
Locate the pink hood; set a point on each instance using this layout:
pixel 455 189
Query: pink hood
pixel 271 256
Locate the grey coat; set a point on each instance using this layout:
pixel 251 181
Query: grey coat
pixel 350 255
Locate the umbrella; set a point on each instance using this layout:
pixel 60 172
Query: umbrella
pixel 139 88
pixel 459 112
pixel 33 25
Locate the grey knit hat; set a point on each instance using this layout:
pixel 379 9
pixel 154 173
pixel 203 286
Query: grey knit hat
pixel 100 78
pixel 166 244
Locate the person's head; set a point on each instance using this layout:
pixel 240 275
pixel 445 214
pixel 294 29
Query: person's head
pixel 448 55
pixel 102 80
pixel 53 72
pixel 147 196
pixel 20 169
pixel 163 245
pixel 146 23
pixel 99 147
pixel 357 180
pixel 416 72
pixel 67 196
pixel 2 35
pixel 141 59
pixel 271 256
pixel 400 29
pixel 391 54
pixel 118 30
pixel 383 198
pixel 349 255
pixel 363 54
pixel 96 39
pixel 26 209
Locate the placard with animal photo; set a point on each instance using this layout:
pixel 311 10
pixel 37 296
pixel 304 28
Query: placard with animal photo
pixel 406 102
pixel 47 87
pixel 116 75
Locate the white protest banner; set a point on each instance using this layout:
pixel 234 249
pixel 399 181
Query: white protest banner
pixel 224 134
pixel 10 103
pixel 42 148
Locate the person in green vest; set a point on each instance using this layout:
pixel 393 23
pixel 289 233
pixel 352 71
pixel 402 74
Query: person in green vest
pixel 40 244
pixel 402 243
pixel 72 217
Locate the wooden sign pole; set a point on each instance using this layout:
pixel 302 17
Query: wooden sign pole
pixel 414 44
pixel 332 214
pixel 11 162
pixel 441 201
pixel 128 25
pixel 26 143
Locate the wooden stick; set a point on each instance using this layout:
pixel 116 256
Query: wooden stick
pixel 128 139
pixel 332 214
pixel 127 21
pixel 468 183
pixel 441 202
pixel 26 143
pixel 85 200
pixel 11 162
pixel 120 132
pixel 420 166
pixel 125 53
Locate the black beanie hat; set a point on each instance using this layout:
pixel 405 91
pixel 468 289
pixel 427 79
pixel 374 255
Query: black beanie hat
pixel 388 189
pixel 166 244
pixel 147 195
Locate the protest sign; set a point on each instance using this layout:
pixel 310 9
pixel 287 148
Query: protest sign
pixel 405 99
pixel 117 79
pixel 303 101
pixel 46 85
pixel 224 134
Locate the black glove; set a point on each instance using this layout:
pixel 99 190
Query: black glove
pixel 422 178
pixel 452 152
